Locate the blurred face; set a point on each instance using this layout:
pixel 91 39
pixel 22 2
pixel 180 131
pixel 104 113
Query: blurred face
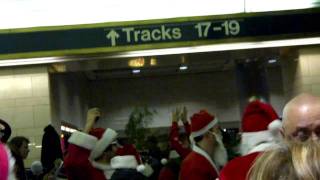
pixel 302 122
pixel 220 153
pixel 24 150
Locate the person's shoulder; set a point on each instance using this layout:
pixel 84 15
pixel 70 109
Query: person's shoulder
pixel 241 160
pixel 196 161
pixel 238 167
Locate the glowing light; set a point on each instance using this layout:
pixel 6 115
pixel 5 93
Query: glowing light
pixel 136 71
pixel 139 62
pixel 182 68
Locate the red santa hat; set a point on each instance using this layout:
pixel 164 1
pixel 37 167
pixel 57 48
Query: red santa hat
pixel 96 141
pixel 260 123
pixel 201 122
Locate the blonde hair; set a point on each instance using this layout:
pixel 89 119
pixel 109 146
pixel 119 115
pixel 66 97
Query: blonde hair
pixel 288 161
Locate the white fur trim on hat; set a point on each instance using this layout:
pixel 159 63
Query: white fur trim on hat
pixel 204 129
pixel 127 162
pixel 275 126
pixel 148 171
pixel 173 154
pixel 107 138
pixel 83 140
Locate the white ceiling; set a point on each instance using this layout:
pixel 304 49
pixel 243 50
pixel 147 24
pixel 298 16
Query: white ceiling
pixel 33 13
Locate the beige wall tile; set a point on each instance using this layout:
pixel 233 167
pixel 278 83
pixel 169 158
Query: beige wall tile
pixel 314 64
pixel 23 117
pixel 40 85
pixel 30 70
pixel 32 101
pixel 42 115
pixel 21 86
pixel 30 132
pixel 7 115
pixel 5 103
pixel 6 88
pixel 303 68
pixel 316 89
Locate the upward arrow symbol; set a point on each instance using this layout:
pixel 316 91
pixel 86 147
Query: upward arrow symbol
pixel 113 35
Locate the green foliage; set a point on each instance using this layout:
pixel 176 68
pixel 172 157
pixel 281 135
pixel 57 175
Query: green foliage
pixel 136 128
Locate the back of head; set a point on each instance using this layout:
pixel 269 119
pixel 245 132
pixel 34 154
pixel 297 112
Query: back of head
pixel 290 161
pixel 36 168
pixel 5 131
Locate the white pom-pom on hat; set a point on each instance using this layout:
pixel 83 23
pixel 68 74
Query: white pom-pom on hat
pixel 141 168
pixel 275 126
pixel 164 161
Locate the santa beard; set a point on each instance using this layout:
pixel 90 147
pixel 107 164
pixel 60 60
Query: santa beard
pixel 220 155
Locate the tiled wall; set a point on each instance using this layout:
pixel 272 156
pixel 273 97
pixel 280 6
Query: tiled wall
pixel 25 104
pixel 302 74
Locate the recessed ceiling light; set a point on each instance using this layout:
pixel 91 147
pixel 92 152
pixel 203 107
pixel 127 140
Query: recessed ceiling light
pixel 136 71
pixel 182 68
pixel 272 61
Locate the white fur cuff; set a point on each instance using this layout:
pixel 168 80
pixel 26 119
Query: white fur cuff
pixel 83 140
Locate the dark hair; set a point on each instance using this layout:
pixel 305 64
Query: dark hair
pixel 16 142
pixel 6 131
pixel 198 138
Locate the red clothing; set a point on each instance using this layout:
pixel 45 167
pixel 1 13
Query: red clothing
pixel 174 139
pixel 196 167
pixel 238 168
pixel 167 174
pixel 78 167
pixel 76 162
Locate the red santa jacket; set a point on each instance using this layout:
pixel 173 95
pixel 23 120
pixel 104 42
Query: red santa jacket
pixel 238 168
pixel 167 174
pixel 174 139
pixel 198 166
pixel 76 163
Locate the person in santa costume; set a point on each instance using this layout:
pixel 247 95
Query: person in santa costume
pixel 171 166
pixel 180 142
pixel 90 151
pixel 260 131
pixel 208 152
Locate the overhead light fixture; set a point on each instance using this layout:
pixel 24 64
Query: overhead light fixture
pixel 153 62
pixel 136 71
pixel 184 67
pixel 220 47
pixel 271 61
pixel 137 62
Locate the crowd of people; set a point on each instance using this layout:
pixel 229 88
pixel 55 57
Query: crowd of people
pixel 270 148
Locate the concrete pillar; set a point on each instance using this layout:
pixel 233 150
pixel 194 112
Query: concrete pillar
pixel 301 72
pixel 25 104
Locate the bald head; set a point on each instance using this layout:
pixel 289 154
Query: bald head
pixel 301 118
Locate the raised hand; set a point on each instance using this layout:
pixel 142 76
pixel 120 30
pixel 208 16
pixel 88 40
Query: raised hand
pixel 184 115
pixel 92 115
pixel 175 115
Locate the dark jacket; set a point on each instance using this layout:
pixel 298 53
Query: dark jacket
pixel 125 174
pixel 51 148
pixel 19 167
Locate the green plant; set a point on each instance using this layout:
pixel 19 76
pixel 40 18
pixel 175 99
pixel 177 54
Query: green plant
pixel 136 128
